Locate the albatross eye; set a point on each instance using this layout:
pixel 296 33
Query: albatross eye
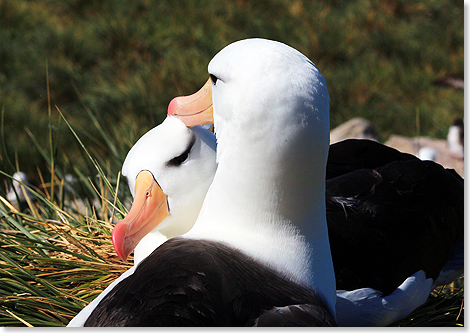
pixel 213 79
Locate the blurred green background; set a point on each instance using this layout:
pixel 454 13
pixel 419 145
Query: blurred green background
pixel 113 67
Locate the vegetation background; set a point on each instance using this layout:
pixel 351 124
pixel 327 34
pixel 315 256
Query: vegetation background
pixel 82 80
pixel 123 61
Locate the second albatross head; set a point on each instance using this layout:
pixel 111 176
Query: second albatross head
pixel 159 169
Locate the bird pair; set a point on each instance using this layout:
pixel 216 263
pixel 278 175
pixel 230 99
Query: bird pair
pixel 259 251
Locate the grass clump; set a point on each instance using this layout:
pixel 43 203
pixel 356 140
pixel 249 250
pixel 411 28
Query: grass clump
pixel 53 261
pixel 56 253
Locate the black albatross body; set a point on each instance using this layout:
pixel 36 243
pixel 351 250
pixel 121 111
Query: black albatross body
pixel 391 217
pixel 387 221
pixel 258 253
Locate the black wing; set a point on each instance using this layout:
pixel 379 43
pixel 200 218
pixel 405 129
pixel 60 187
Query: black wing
pixel 387 223
pixel 188 282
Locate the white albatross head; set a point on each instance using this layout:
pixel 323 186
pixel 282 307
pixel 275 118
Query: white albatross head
pixel 168 189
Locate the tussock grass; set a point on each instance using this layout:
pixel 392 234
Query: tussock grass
pixel 53 261
pixel 56 253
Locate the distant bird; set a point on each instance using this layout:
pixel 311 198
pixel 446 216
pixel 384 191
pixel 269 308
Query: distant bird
pixel 17 193
pixel 453 81
pixel 455 138
pixel 427 154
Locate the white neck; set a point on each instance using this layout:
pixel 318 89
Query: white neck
pixel 267 199
pixel 147 245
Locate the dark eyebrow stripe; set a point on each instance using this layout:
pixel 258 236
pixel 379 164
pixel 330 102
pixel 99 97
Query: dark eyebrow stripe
pixel 176 161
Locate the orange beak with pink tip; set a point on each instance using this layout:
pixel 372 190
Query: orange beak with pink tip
pixel 195 109
pixel 149 209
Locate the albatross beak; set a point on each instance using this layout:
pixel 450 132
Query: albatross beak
pixel 195 109
pixel 150 207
